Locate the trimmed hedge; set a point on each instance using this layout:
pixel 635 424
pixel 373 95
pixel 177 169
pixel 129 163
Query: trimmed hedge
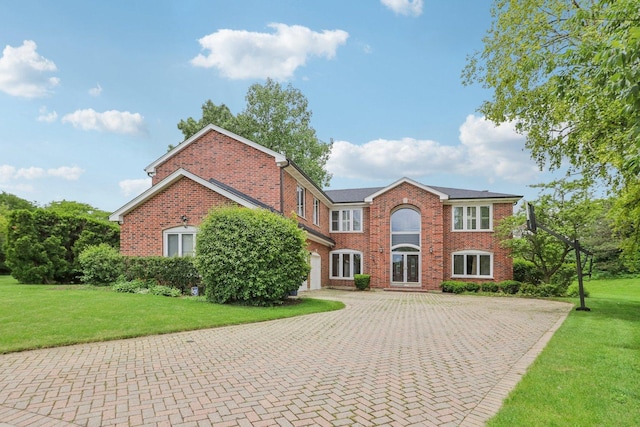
pixel 174 272
pixel 250 256
pixel 362 281
pixel 491 287
pixel 510 286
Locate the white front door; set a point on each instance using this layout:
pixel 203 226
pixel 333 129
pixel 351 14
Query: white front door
pixel 315 277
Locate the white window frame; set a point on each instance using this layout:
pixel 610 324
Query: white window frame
pixel 471 253
pixel 468 220
pixel 316 211
pixel 345 220
pixel 341 254
pixel 180 231
pixel 300 200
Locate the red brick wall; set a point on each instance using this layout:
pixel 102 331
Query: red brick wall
pixel 217 156
pixel 141 230
pixel 355 241
pixel 430 208
pixel 478 240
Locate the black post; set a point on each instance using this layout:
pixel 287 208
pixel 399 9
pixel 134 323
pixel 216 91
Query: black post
pixel 576 246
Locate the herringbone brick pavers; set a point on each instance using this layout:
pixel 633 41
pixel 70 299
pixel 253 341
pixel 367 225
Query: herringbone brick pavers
pixel 389 358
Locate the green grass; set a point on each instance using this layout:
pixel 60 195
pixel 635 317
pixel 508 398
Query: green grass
pixel 589 373
pixel 36 316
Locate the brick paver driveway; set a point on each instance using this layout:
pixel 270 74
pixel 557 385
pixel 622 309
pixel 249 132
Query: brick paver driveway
pixel 389 358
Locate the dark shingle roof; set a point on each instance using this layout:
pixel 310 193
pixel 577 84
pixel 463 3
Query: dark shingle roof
pixel 351 195
pixel 357 195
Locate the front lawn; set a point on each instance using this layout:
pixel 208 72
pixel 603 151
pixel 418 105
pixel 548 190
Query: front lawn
pixel 589 373
pixel 36 316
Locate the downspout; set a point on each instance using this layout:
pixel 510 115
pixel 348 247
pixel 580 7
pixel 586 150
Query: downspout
pixel 282 166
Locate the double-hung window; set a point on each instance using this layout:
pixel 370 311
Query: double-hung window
pixel 473 217
pixel 179 241
pixel 345 263
pixel 472 264
pixel 346 220
pixel 300 201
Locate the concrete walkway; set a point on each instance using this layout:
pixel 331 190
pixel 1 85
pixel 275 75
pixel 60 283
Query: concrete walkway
pixel 389 358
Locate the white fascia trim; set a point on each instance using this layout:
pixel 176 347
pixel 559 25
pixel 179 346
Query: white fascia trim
pixel 307 184
pixel 279 158
pixel 440 194
pixel 476 202
pixel 320 240
pixel 180 173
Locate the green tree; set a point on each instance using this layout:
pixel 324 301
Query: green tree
pixel 248 256
pixel 565 207
pixel 71 208
pixel 276 117
pixel 567 73
pixel 8 203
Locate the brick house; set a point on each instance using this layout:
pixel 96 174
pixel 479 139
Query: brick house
pixel 405 235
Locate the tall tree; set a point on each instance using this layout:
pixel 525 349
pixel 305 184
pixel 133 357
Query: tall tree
pixel 276 117
pixel 567 208
pixel 567 72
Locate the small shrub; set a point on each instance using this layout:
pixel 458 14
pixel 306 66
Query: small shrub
pixel 564 276
pixel 550 290
pixel 449 286
pixel 471 287
pixel 174 272
pixel 491 287
pixel 362 281
pixel 165 291
pixel 527 289
pixel 101 264
pixel 129 286
pixel 510 286
pixel 573 291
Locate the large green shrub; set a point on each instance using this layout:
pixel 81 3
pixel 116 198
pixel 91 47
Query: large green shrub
pixel 250 256
pixel 361 281
pixel 101 264
pixel 43 246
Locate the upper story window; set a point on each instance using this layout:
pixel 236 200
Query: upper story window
pixel 345 263
pixel 473 264
pixel 346 220
pixel 405 228
pixel 316 211
pixel 474 217
pixel 179 241
pixel 300 196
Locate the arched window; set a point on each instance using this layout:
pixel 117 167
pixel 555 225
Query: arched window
pixel 179 241
pixel 405 246
pixel 345 263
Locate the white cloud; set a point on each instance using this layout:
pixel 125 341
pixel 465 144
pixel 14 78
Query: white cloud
pixel 7 172
pixel 496 149
pixel 132 187
pixel 484 150
pixel 109 121
pixel 404 7
pixel 10 173
pixel 244 54
pixel 70 173
pixel 23 71
pixel 46 116
pixel 30 173
pixel 95 91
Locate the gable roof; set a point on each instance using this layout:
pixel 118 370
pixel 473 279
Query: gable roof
pixel 279 158
pixel 174 177
pixel 366 195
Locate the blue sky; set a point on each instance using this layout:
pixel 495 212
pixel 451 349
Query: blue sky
pixel 91 92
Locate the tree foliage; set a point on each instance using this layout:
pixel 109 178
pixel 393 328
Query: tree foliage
pixel 253 257
pixel 43 246
pixel 276 117
pixel 8 203
pixel 565 207
pixel 567 72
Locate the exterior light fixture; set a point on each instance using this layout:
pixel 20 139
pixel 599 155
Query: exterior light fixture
pixel 184 220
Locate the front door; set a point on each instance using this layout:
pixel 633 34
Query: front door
pixel 405 267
